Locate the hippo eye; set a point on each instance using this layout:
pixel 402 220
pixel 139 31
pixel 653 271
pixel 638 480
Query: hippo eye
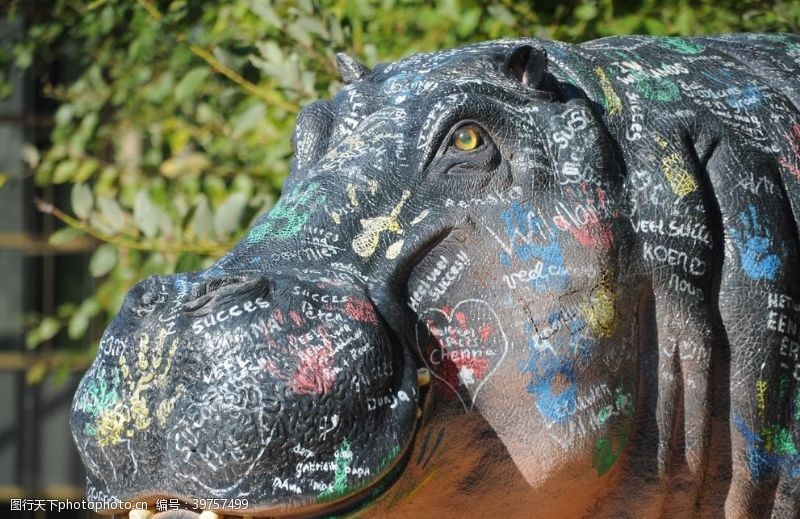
pixel 467 138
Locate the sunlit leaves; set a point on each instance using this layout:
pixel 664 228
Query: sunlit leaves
pixel 160 148
pixel 264 10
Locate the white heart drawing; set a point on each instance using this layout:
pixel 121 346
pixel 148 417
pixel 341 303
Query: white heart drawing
pixel 467 342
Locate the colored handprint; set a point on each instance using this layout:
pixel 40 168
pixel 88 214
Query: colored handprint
pixel 289 215
pixel 761 258
pixel 532 240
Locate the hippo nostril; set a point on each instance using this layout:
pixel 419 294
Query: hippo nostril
pixel 143 298
pixel 149 299
pixel 204 294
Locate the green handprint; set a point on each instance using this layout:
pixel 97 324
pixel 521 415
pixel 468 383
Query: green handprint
pixel 680 46
pixel 289 215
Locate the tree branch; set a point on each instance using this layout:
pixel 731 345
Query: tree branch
pixel 145 245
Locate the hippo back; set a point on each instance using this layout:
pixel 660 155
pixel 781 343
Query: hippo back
pixel 709 132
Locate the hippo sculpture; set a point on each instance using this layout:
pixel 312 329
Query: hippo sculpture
pixel 516 279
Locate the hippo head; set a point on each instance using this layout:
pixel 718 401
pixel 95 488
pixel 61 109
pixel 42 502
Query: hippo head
pixel 435 302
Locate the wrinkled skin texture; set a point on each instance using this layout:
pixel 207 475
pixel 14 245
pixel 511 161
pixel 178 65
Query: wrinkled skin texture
pixel 592 249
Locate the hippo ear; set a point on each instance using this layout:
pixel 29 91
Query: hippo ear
pixel 527 64
pixel 350 69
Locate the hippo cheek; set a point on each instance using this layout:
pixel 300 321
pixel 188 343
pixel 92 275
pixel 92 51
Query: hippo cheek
pixel 468 347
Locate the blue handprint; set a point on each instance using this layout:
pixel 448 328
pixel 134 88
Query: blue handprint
pixel 767 458
pixel 553 374
pixel 556 390
pixel 760 257
pixel 531 239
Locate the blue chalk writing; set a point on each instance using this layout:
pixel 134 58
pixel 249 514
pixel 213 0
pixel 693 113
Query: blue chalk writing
pixel 744 98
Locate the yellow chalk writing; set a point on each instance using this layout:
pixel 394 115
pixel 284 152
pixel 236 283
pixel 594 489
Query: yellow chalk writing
pixel 366 242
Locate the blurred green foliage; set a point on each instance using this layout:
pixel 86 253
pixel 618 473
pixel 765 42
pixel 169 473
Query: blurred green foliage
pixel 176 132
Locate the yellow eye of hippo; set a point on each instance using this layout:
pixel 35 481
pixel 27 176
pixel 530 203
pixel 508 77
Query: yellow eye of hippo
pixel 467 138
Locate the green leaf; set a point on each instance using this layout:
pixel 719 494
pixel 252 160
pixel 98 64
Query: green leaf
pixel 90 306
pixel 187 262
pixel 65 310
pixel 145 214
pixel 243 184
pixel 103 260
pixel 264 10
pixel 503 15
pixel 189 83
pixel 229 214
pixel 64 235
pixel 64 171
pixel 653 26
pixel 158 90
pixel 30 155
pixel 249 119
pixel 78 325
pixel 3 179
pixel 184 164
pixel 49 327
pixel 36 373
pixel 586 11
pixel 85 130
pixel 64 114
pixel 33 339
pixel 203 219
pixel 214 187
pixel 62 374
pixel 468 22
pixel 112 213
pixel 85 170
pixel 82 200
pixel 24 54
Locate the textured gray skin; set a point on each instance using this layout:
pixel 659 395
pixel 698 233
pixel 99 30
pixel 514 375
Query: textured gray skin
pixel 605 291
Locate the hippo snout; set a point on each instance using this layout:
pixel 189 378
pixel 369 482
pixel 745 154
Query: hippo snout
pixel 214 382
pixel 195 294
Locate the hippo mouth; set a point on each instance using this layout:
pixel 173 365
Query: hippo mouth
pixel 173 506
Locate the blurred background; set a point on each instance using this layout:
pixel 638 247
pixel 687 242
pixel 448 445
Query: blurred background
pixel 142 137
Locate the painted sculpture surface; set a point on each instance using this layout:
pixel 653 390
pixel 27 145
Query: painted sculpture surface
pixel 516 279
